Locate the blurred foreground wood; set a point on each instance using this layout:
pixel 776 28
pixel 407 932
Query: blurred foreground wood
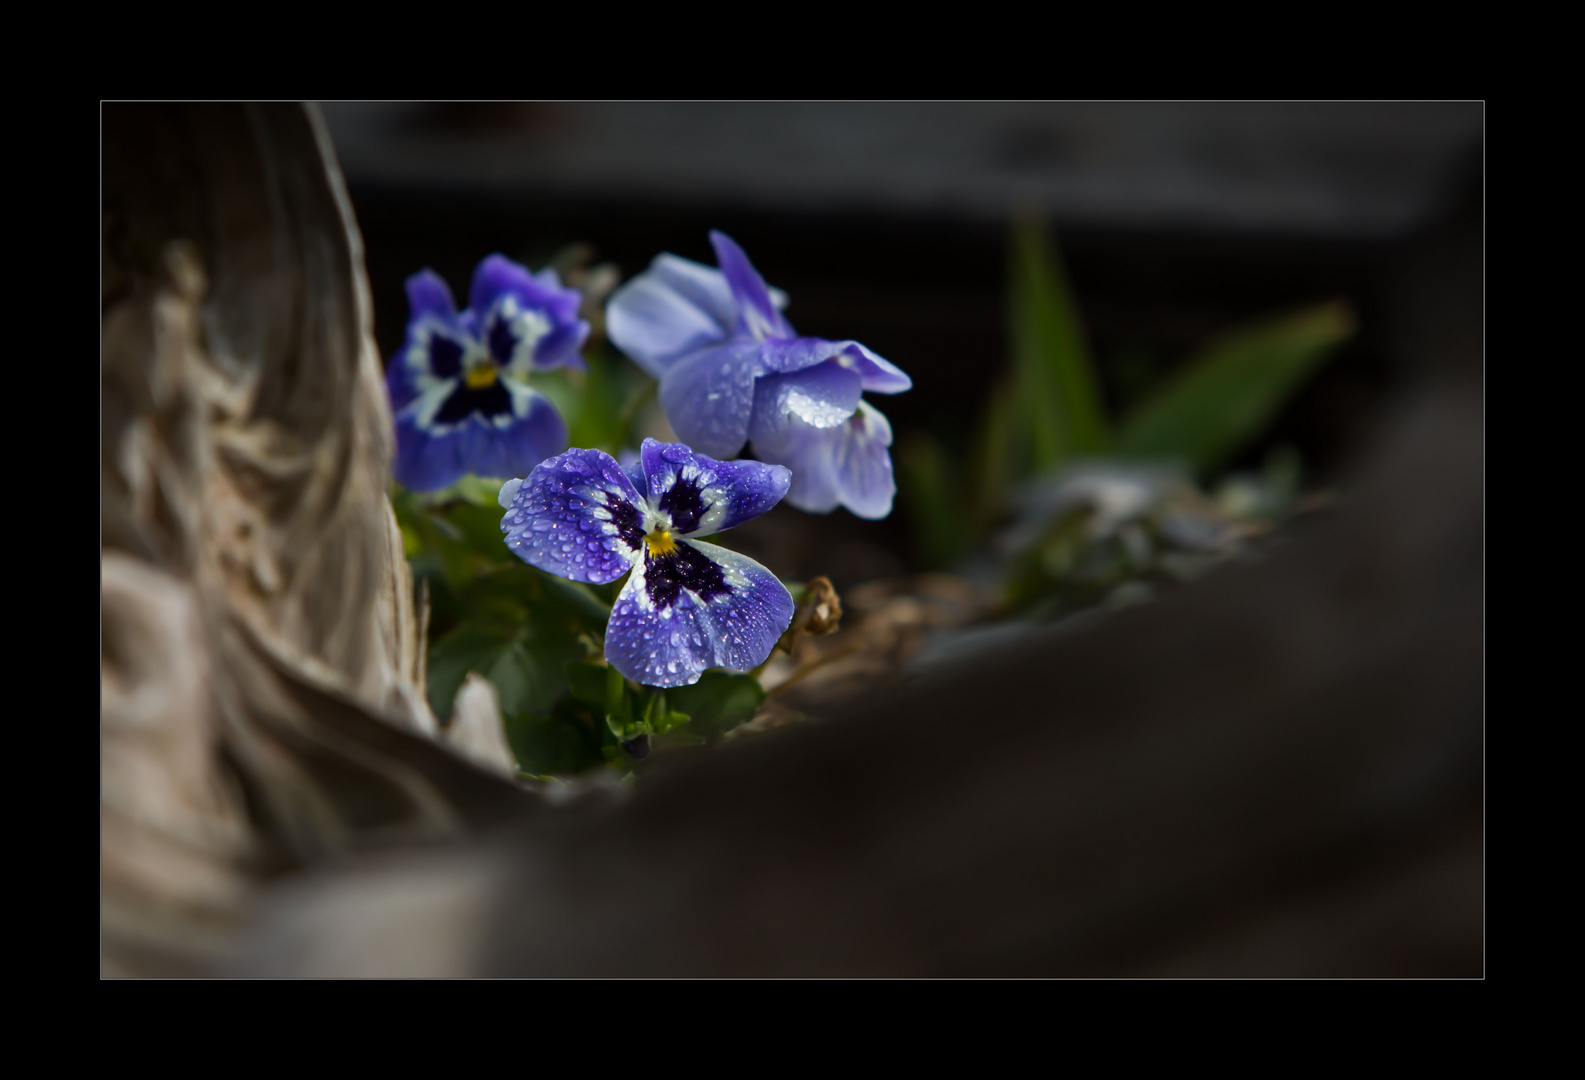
pixel 1276 771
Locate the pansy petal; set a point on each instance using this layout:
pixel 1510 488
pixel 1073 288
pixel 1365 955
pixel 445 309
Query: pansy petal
pixel 848 465
pixel 709 396
pixel 701 606
pixel 758 613
pixel 399 382
pixel 562 347
pixel 797 353
pixel 702 286
pixel 809 453
pixel 428 294
pixel 757 312
pixel 862 464
pixel 499 276
pixel 881 376
pixel 424 461
pixel 700 495
pixel 658 646
pixel 655 325
pixel 821 396
pixel 436 347
pixel 511 332
pixel 633 467
pixel 576 516
pixel 514 444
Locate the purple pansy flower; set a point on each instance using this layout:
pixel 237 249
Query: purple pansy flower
pixel 687 605
pixel 732 369
pixel 459 384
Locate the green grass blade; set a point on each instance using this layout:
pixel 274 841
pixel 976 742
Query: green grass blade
pixel 931 490
pixel 993 460
pixel 1231 391
pixel 1056 392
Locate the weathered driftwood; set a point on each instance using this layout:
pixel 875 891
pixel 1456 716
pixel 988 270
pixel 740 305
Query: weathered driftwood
pixel 263 674
pixel 1276 771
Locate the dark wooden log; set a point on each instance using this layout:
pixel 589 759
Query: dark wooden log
pixel 1276 771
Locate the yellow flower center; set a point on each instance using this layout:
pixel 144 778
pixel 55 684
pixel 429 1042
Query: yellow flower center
pixel 481 375
pixel 660 543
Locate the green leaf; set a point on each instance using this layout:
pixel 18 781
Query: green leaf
pixel 467 648
pixel 600 403
pixel 992 463
pixel 1230 391
pixel 717 703
pixel 570 739
pixel 1056 390
pixel 526 660
pixel 619 706
pixel 479 528
pixel 932 493
pixel 482 491
pixel 586 683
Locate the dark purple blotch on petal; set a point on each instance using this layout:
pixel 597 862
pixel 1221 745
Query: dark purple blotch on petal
pixel 684 502
pixel 686 568
pixel 492 400
pixel 501 340
pixel 629 523
pixel 445 357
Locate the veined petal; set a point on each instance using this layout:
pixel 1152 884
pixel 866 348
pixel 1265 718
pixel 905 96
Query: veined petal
pixel 702 286
pixel 808 452
pixel 862 463
pixel 848 465
pixel 821 396
pixel 655 324
pixel 797 353
pixel 757 615
pixel 701 606
pixel 708 397
pixel 577 516
pixel 757 312
pixel 699 495
pixel 881 376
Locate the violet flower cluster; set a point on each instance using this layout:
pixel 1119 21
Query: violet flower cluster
pixel 459 386
pixel 687 605
pixel 733 370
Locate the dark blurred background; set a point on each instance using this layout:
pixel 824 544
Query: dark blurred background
pixel 888 223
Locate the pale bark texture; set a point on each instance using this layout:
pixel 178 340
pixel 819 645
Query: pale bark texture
pixel 262 679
